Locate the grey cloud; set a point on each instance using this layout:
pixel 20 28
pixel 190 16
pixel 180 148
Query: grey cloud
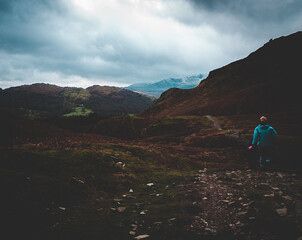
pixel 26 26
pixel 261 11
pixel 39 29
pixel 45 32
pixel 50 37
pixel 253 21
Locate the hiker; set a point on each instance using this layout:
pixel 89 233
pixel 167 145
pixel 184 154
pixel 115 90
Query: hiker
pixel 264 138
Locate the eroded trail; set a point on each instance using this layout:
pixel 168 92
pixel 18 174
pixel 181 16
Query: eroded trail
pixel 232 132
pixel 246 205
pixel 215 122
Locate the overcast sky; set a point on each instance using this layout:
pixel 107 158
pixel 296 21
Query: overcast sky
pixel 120 42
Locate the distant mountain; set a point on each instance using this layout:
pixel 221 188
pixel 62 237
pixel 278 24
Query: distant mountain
pixel 266 81
pixel 45 100
pixel 156 89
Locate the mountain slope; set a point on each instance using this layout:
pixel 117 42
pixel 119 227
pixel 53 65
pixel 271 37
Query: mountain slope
pixel 116 101
pixel 157 88
pixel 44 100
pixel 266 81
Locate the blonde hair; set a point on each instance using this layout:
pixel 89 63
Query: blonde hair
pixel 263 119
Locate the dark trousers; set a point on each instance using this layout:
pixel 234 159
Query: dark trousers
pixel 266 154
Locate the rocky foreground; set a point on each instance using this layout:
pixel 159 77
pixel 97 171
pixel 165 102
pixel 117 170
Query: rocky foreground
pixel 246 204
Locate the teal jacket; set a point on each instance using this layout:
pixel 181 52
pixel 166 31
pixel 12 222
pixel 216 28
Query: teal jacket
pixel 264 136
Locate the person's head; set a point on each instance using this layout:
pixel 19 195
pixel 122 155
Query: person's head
pixel 263 120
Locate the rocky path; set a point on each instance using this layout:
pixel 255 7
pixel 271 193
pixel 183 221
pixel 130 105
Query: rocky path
pixel 246 205
pixel 216 123
pixel 232 132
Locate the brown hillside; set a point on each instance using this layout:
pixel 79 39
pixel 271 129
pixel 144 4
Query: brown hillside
pixel 266 81
pixel 110 101
pixel 51 100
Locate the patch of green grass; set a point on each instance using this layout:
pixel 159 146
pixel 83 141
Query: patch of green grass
pixel 202 121
pixel 32 114
pixel 179 126
pixel 79 111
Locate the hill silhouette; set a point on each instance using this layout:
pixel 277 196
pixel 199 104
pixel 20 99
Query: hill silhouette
pixel 266 81
pixel 46 100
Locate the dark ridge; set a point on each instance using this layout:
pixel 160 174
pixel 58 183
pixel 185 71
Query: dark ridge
pixel 47 100
pixel 265 81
